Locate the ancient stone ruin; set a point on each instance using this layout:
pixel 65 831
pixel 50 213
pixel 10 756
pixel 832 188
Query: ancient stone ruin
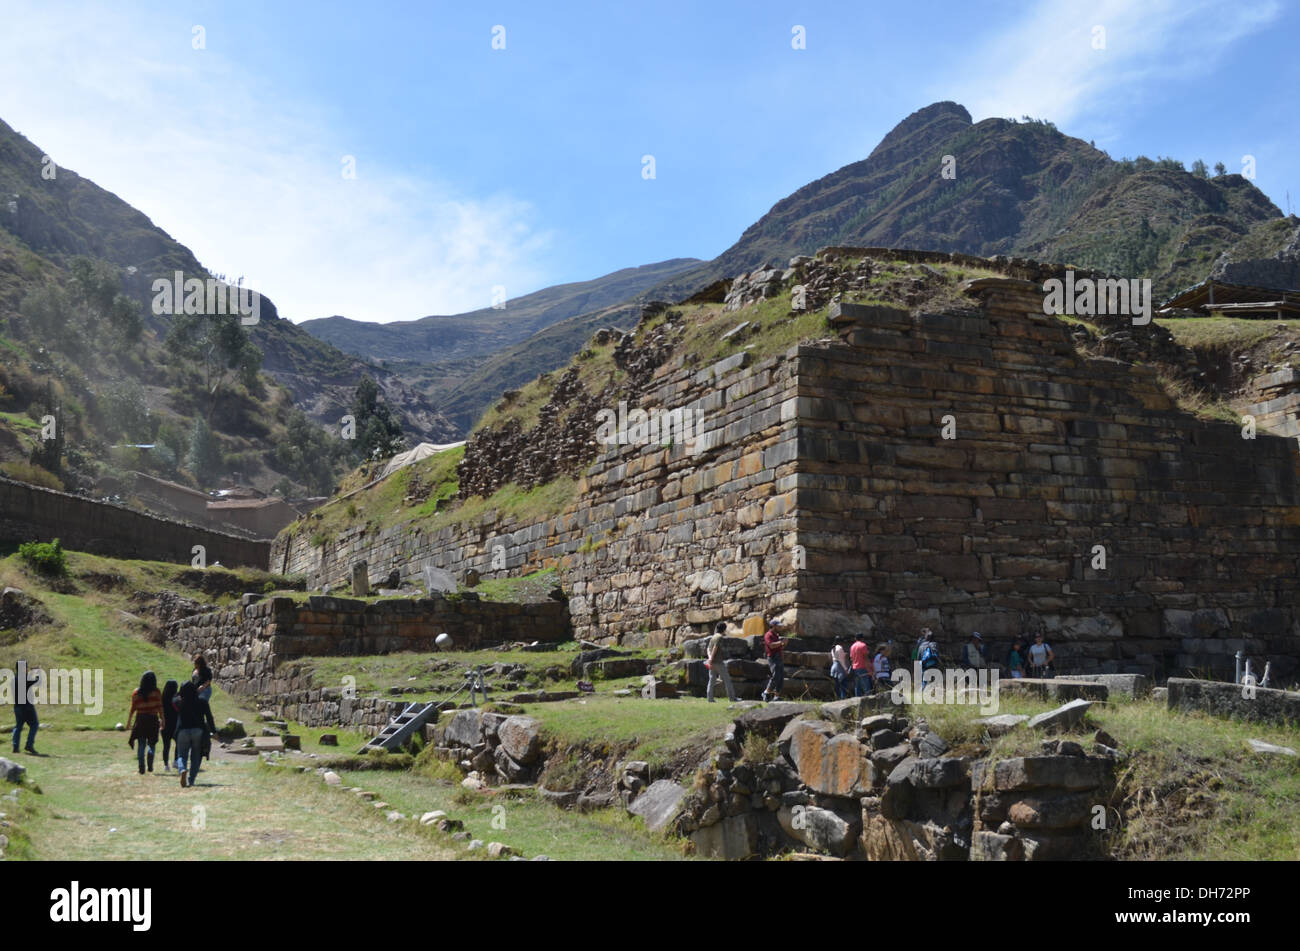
pixel 963 469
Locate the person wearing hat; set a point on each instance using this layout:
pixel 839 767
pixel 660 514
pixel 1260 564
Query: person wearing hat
pixel 773 648
pixel 1041 657
pixel 972 653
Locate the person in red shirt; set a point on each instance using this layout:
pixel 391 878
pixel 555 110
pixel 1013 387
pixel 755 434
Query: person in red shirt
pixel 860 655
pixel 146 710
pixel 773 647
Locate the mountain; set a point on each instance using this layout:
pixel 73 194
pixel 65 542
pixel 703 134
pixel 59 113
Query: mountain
pixel 473 357
pixel 76 326
pixel 1014 188
pixel 937 181
pixel 485 331
pixel 70 216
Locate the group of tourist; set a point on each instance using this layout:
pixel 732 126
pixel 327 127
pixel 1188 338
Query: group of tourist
pixel 176 714
pixel 859 671
pixel 179 715
pixel 773 650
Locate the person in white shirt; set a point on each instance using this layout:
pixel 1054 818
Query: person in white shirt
pixel 717 664
pixel 1041 656
pixel 972 653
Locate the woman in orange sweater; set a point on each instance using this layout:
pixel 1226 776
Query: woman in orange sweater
pixel 147 711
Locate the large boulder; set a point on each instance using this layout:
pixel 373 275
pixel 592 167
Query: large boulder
pixel 1062 718
pixel 521 738
pixel 465 729
pixel 732 838
pixel 769 720
pixel 1246 702
pixel 829 763
pixel 903 840
pixel 821 829
pixel 659 804
pixel 11 772
pixel 1063 772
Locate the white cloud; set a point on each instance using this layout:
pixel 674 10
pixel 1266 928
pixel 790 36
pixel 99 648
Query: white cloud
pixel 252 183
pixel 1047 66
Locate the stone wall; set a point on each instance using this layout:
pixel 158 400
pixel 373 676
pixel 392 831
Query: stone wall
pixel 31 513
pixel 248 647
pixel 824 489
pixel 994 530
pixel 662 541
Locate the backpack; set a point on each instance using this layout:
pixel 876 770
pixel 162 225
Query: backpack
pixel 929 656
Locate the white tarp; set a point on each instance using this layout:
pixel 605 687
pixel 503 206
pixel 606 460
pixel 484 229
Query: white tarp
pixel 422 451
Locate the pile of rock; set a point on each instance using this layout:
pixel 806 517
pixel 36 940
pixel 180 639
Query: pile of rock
pixel 491 747
pixel 862 779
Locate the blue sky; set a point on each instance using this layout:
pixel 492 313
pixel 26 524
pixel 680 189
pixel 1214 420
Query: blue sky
pixel 522 167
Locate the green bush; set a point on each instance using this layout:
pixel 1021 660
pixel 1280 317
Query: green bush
pixel 46 557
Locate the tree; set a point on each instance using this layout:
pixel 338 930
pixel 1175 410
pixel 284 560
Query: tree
pixel 379 435
pixel 125 410
pixel 48 453
pixel 1199 169
pixel 1219 169
pixel 308 454
pixel 204 456
pixel 218 345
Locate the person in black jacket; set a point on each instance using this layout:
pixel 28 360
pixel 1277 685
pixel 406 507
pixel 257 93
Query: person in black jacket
pixel 25 712
pixel 193 722
pixel 168 731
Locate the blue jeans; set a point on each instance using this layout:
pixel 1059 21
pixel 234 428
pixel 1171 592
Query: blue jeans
pixel 774 684
pixel 140 752
pixel 189 746
pixel 861 683
pixel 25 713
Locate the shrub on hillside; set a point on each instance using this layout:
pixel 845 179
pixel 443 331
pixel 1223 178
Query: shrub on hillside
pixel 45 557
pixel 32 474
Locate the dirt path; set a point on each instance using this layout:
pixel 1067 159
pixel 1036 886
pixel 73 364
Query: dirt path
pixel 95 805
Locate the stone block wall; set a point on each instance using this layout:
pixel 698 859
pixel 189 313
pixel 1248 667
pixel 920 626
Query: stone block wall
pixel 994 530
pixel 32 513
pixel 662 542
pixel 248 646
pixel 825 490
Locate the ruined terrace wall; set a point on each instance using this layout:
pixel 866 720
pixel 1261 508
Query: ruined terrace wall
pixel 994 530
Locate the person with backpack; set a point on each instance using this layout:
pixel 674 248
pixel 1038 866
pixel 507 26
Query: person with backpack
pixel 972 653
pixel 1041 657
pixel 193 721
pixel 773 647
pixel 929 655
pixel 840 672
pixel 202 678
pixel 147 712
pixel 860 655
pixel 25 712
pixel 881 664
pixel 717 664
pixel 168 729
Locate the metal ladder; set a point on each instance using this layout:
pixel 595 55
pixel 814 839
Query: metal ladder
pixel 400 729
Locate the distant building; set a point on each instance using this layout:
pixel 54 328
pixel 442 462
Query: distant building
pixel 262 517
pixel 1213 298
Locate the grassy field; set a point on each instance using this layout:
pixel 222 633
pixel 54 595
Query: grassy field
pixel 95 805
